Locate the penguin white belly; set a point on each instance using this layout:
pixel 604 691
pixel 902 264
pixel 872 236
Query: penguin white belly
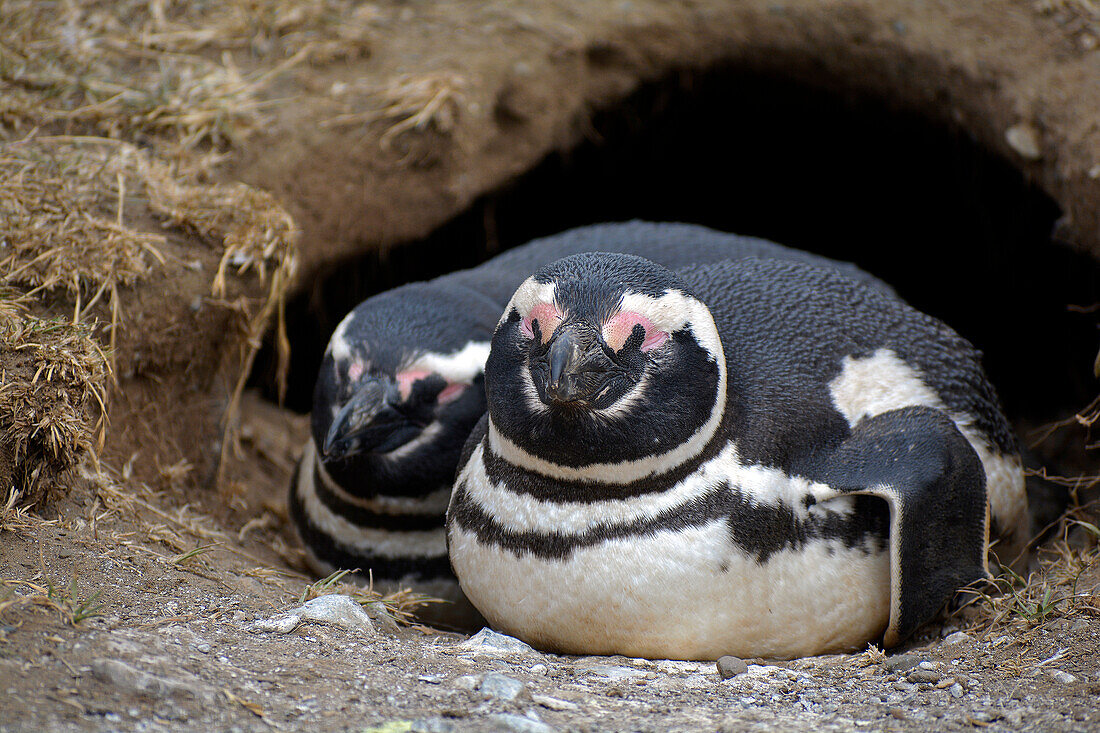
pixel 686 594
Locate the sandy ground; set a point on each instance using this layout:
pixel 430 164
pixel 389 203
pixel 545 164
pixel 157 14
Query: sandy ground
pixel 137 610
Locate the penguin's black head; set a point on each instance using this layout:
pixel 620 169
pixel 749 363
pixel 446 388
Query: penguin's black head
pixel 604 359
pixel 399 390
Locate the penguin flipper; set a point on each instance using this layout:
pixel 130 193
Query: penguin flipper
pixel 917 460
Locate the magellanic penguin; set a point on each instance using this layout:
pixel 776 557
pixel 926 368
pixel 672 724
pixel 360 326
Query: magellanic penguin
pixel 400 389
pixel 758 458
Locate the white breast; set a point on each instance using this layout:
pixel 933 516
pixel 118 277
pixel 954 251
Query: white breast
pixel 688 594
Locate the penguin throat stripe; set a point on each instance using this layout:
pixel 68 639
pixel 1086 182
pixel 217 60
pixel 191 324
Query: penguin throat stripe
pixel 362 540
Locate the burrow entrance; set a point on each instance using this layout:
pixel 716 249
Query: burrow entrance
pixel 958 231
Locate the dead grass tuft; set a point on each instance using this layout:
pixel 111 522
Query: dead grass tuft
pixel 413 103
pixel 62 219
pixel 1064 584
pixel 168 70
pixel 53 383
pixel 68 602
pixel 400 605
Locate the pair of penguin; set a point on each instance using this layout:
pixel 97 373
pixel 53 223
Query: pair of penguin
pixel 695 444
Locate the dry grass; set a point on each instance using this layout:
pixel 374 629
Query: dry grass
pixel 69 603
pixel 400 605
pixel 62 209
pixel 53 382
pixel 1065 583
pixel 172 70
pixel 412 103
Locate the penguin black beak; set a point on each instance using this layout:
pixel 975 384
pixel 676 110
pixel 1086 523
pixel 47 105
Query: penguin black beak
pixel 576 369
pixel 369 421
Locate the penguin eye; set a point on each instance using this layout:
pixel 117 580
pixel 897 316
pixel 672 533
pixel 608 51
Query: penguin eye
pixel 547 317
pixel 622 326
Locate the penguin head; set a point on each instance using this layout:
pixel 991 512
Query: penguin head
pixel 605 361
pixel 401 378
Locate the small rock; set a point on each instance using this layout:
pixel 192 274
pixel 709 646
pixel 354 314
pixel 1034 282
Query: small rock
pixel 957 638
pixel 1059 676
pixel 517 724
pixel 488 641
pixel 431 679
pixel 613 672
pixel 956 690
pixel 537 669
pixel 901 663
pixel 554 703
pixel 1079 625
pixel 928 665
pixel 500 687
pixel 926 676
pixel 378 612
pixel 467 682
pixel 432 725
pixel 333 610
pixel 731 667
pixel 677 666
pixel 1024 139
pixel 1094 172
pixel 125 677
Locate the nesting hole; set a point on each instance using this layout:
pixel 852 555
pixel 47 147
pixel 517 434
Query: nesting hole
pixel 960 233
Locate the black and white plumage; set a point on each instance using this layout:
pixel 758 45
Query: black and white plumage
pixel 401 388
pixel 758 458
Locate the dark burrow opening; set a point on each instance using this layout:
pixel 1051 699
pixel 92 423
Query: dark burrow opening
pixel 958 231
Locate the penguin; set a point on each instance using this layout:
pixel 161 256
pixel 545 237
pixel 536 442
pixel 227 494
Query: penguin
pixel 400 389
pixel 756 457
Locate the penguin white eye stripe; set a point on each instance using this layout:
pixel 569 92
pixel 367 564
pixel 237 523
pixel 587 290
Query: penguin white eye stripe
pixel 530 294
pixel 673 311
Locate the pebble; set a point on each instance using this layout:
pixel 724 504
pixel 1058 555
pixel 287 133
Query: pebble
pixel 517 724
pixel 957 638
pixel 614 672
pixel 928 676
pixel 467 682
pixel 133 680
pixel 554 703
pixel 956 690
pixel 488 641
pixel 537 669
pixel 432 725
pixel 501 687
pixel 1024 139
pixel 928 665
pixel 1059 676
pixel 731 667
pixel 333 610
pixel 901 663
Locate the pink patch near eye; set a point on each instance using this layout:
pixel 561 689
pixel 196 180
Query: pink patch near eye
pixel 405 381
pixel 355 370
pixel 451 392
pixel 619 329
pixel 548 318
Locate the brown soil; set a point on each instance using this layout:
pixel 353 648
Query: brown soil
pixel 378 125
